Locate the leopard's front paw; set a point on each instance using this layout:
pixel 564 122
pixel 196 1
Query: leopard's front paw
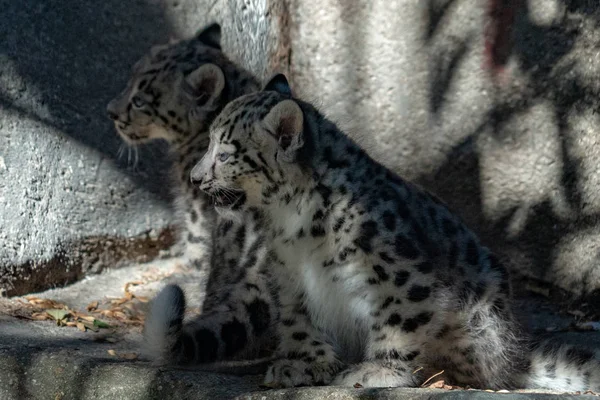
pixel 370 374
pixel 291 373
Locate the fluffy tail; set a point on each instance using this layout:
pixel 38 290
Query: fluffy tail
pixel 562 367
pixel 163 330
pixel 239 328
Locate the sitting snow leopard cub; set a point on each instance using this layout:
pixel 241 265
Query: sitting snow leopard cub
pixel 174 94
pixel 380 284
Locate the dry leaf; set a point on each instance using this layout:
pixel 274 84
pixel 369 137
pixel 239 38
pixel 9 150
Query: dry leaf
pixel 129 356
pixel 119 315
pixel 120 301
pixel 90 326
pixel 92 306
pixel 40 316
pixel 134 283
pixel 357 385
pixel 112 352
pixel 438 384
pixel 81 327
pixel 431 377
pixel 143 299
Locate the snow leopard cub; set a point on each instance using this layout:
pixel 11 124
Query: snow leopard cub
pixel 380 284
pixel 174 93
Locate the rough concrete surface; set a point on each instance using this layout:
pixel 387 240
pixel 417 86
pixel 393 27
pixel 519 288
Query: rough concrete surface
pixel 516 153
pixel 69 204
pixel 39 360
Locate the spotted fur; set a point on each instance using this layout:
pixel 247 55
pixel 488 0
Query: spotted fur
pixel 381 284
pixel 174 94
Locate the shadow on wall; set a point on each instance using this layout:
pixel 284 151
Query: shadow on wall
pixel 550 66
pixel 75 56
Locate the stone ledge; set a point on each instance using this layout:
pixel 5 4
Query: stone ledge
pixel 60 375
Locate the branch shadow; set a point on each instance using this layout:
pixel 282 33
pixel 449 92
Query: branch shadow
pixel 541 54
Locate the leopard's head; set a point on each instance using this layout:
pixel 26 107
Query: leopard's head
pixel 257 150
pixel 177 89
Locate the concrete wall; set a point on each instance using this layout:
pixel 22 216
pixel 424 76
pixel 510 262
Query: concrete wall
pixel 68 203
pixel 515 153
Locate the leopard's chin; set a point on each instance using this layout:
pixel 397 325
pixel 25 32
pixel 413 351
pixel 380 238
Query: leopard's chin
pixel 230 200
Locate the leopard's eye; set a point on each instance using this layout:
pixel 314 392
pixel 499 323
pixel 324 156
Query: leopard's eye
pixel 138 102
pixel 223 156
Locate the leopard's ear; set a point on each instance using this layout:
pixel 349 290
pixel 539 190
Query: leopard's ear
pixel 279 84
pixel 285 121
pixel 210 35
pixel 204 87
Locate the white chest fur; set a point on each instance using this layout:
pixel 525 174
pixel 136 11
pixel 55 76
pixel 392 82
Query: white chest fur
pixel 335 295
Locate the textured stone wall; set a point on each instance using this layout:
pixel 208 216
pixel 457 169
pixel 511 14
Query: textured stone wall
pixel 70 202
pixel 508 136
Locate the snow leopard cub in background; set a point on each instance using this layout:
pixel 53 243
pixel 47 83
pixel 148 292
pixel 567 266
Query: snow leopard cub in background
pixel 174 93
pixel 380 284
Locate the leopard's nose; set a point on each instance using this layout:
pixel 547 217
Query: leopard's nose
pixel 196 176
pixel 196 180
pixel 111 110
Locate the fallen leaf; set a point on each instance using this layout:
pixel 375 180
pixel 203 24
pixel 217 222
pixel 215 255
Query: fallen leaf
pixel 90 326
pixel 58 314
pixel 112 352
pixel 130 284
pixel 119 315
pixel 128 356
pixel 92 306
pixel 40 316
pixel 437 385
pixel 120 301
pixel 358 385
pixel 81 327
pixel 143 299
pixel 101 324
pixel 431 377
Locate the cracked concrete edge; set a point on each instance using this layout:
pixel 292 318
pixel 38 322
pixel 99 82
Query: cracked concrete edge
pixel 61 376
pixel 338 393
